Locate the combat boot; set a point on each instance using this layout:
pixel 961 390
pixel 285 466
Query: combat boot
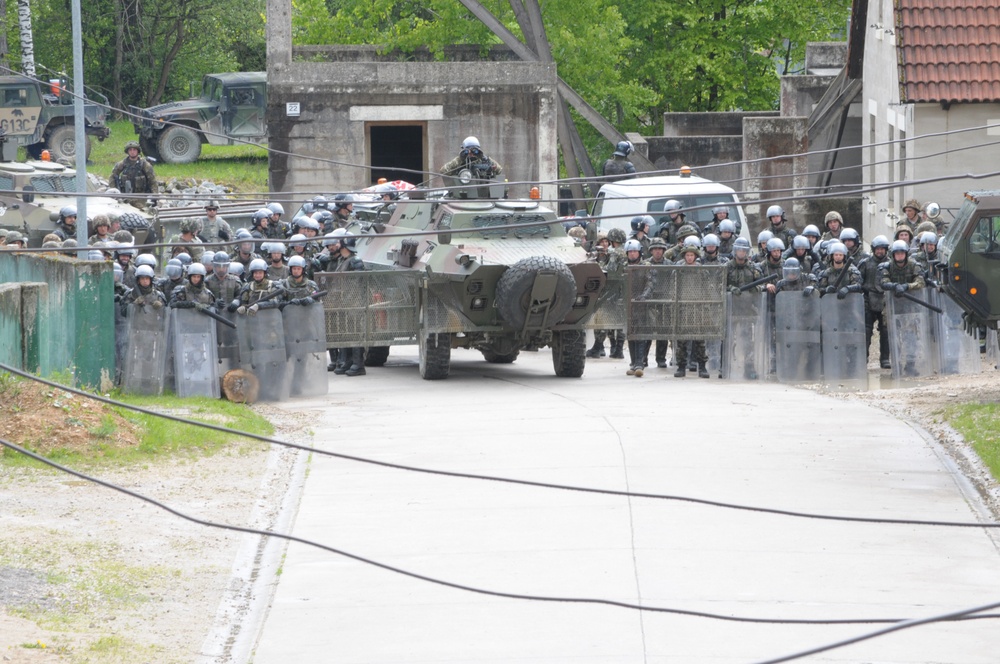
pixel 681 370
pixel 342 362
pixel 618 350
pixel 334 354
pixel 702 370
pixel 357 362
pixel 597 350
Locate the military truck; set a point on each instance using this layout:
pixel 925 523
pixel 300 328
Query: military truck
pixel 970 258
pixel 45 188
pixel 230 110
pixel 494 275
pixel 41 118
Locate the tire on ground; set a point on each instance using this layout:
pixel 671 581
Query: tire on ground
pixel 435 355
pixel 179 145
pixel 514 290
pixel 62 143
pixel 569 348
pixel 376 356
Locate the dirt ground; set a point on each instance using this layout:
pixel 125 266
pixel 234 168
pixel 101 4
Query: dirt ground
pixel 91 575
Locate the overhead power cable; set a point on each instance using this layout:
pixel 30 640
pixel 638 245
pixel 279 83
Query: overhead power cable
pixel 506 480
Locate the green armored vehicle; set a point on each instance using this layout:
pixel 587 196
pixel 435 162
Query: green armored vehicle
pixel 493 275
pixel 45 188
pixel 41 118
pixel 231 106
pixel 970 258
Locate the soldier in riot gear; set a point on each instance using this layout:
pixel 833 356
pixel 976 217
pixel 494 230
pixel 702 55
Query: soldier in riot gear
pixel 741 271
pixel 600 255
pixel 343 211
pixel 794 278
pixel 244 252
pixel 637 350
pixel 472 157
pixel 123 256
pixel 690 255
pixel 102 226
pixel 641 224
pixel 298 287
pixel 275 253
pixel 778 225
pixel 618 167
pixel 248 302
pixel 812 234
pixel 223 285
pixel 927 257
pixel 173 277
pixel 261 224
pixel 852 241
pixel 727 237
pixel 720 213
pixel 761 252
pixel 686 235
pixel 329 259
pixel 874 298
pixel 669 231
pixel 772 262
pixel 134 175
pixel 616 267
pixel 657 251
pixel 281 228
pixel 350 361
pixel 66 226
pixel 802 251
pixel 193 293
pixel 144 292
pixel 899 275
pixel 852 282
pixel 710 250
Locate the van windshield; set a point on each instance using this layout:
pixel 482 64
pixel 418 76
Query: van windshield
pixel 702 216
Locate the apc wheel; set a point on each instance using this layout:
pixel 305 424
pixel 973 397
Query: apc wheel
pixel 179 145
pixel 435 355
pixel 569 349
pixel 62 143
pixel 148 147
pixel 514 290
pixel 376 356
pixel 500 358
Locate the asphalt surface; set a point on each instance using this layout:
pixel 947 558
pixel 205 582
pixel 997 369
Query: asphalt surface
pixel 756 444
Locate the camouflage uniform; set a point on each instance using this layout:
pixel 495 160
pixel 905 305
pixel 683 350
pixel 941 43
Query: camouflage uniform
pixel 783 232
pixel 188 295
pixel 661 344
pixel 134 176
pixel 899 279
pixel 697 346
pixel 143 296
pixel 740 274
pixel 852 281
pixel 224 289
pixel 490 168
pixel 615 270
pixel 166 285
pixel 617 168
pixel 214 231
pixel 874 308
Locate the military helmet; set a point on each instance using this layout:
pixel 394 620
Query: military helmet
pixel 791 269
pixel 616 235
pixel 257 264
pixel 691 249
pixel 350 242
pixel 880 241
pixel 277 248
pixel 236 269
pixel 189 225
pixel 331 239
pixel 67 211
pixel 719 208
pixel 244 234
pixel 686 231
pixel 220 258
pixel 640 220
pixel 319 218
pixel 775 243
pixel 775 211
pixel 386 189
pixel 925 227
pixel 212 205
pixel 741 243
pixel 123 236
pixel 912 203
pixel 577 232
pixel 340 201
pixel 142 271
pixel 174 269
pixel 837 248
pixel 321 202
pixel 470 142
pixel 692 241
pixel 673 205
pixel 146 259
pixel 764 236
pixel 623 149
pixel 601 236
pixel 14 236
pixel 260 215
pixel 184 258
pixel 118 271
pixel 197 268
pixel 296 261
pixel 710 240
pixel 850 234
pixel 899 245
pixel 633 245
pixel 132 144
pixel 832 215
pixel 928 237
pixel 128 250
pixel 727 226
pixel 276 208
pixel 656 243
pixel 811 231
pixel 801 242
pixel 298 240
pixel 101 220
pixel 902 227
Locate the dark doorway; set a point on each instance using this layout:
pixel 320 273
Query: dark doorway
pixel 395 147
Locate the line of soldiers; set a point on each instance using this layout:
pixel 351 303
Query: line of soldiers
pixel 833 263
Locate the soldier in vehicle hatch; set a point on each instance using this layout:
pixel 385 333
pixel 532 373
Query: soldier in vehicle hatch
pixel 134 175
pixel 471 156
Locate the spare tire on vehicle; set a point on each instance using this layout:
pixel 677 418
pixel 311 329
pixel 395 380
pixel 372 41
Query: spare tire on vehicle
pixel 515 285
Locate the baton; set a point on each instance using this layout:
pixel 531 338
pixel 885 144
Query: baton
pixel 840 277
pixel 221 319
pixel 913 298
pixel 759 282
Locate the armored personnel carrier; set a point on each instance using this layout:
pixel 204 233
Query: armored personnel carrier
pixel 494 275
pixel 32 193
pixel 970 258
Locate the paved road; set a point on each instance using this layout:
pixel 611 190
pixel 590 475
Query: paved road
pixel 763 445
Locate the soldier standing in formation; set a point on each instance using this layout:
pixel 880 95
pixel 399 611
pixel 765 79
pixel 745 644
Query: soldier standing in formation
pixel 350 361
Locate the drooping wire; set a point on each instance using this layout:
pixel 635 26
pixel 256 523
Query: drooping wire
pixel 506 480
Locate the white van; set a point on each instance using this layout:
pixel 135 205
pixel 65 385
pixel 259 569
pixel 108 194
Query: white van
pixel 617 203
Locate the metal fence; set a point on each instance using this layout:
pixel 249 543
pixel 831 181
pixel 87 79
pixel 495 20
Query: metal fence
pixel 378 308
pixel 675 302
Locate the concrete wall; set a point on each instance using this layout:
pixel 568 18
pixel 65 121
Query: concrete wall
pixel 23 326
pixel 824 57
pixel 771 180
pixel 713 157
pixel 708 124
pixel 75 327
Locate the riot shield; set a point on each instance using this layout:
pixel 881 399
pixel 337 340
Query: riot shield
pixel 228 350
pixel 742 353
pixel 677 302
pixel 305 345
pixel 146 350
pixel 262 352
pixel 195 364
pixel 121 343
pixel 957 350
pixel 610 311
pixel 843 328
pixel 374 308
pixel 797 348
pixel 992 350
pixel 911 336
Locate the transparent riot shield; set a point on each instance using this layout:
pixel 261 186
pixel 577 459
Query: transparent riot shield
pixel 911 336
pixel 228 350
pixel 195 364
pixel 797 347
pixel 262 352
pixel 146 350
pixel 843 329
pixel 305 345
pixel 957 350
pixel 992 350
pixel 743 357
pixel 121 343
pixel 610 311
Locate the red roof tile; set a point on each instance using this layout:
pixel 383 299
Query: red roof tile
pixel 949 50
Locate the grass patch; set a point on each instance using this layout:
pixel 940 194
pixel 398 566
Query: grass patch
pixel 241 167
pixel 116 649
pixel 979 424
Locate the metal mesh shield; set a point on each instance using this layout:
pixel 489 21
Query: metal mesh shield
pixel 675 302
pixel 797 349
pixel 262 352
pixel 911 336
pixel 610 311
pixel 442 310
pixel 195 347
pixel 958 351
pixel 305 344
pixel 146 350
pixel 843 328
pixel 377 308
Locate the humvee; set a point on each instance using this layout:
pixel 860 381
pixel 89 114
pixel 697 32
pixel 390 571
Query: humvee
pixel 230 109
